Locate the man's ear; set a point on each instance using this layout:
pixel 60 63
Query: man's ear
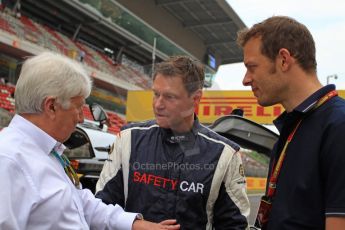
pixel 49 106
pixel 197 96
pixel 285 60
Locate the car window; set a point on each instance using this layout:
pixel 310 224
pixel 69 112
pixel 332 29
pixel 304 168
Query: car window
pixel 80 152
pixel 5 118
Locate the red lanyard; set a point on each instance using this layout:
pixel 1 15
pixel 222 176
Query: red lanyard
pixel 275 173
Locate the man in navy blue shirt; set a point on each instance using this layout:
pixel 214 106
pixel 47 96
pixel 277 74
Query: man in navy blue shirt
pixel 306 188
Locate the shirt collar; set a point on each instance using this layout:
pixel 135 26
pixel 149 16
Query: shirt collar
pixel 173 137
pixel 307 104
pixel 304 107
pixel 40 138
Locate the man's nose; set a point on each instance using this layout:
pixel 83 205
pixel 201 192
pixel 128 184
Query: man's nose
pixel 247 79
pixel 159 102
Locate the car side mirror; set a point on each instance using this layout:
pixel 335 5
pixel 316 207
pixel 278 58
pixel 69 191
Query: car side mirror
pixel 98 113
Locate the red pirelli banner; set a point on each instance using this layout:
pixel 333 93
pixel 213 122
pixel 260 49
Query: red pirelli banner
pixel 213 105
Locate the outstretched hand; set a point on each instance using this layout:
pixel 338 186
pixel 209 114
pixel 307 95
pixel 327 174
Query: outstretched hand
pixel 147 225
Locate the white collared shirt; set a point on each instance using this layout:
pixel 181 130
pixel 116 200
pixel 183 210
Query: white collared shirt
pixel 36 193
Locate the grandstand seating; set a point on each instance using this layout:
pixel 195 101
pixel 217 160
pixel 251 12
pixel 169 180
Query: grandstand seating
pixel 25 28
pixel 115 121
pixel 4 25
pixel 46 37
pixel 29 24
pixel 55 35
pixel 89 56
pixel 6 100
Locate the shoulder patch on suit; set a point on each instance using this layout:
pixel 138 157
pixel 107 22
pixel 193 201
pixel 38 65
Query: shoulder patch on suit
pixel 241 170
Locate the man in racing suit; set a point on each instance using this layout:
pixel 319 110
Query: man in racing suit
pixel 174 167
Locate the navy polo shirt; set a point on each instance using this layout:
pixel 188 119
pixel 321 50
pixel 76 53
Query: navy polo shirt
pixel 311 184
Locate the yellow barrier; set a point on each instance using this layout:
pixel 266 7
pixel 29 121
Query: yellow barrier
pixel 213 104
pixel 256 183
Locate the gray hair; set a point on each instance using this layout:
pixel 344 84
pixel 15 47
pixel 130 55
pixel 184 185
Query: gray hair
pixel 191 72
pixel 50 74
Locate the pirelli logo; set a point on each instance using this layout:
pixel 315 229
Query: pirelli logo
pixel 213 105
pixel 211 108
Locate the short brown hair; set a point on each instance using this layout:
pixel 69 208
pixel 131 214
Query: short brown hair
pixel 283 32
pixel 191 71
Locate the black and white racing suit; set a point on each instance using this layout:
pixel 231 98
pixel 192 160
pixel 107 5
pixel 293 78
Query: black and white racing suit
pixel 196 178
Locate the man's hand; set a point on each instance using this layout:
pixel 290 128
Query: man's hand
pixel 147 225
